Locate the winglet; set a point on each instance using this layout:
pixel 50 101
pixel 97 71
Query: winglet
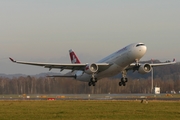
pixel 12 59
pixel 174 60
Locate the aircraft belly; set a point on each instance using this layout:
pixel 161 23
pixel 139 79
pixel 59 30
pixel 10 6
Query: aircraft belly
pixel 111 71
pixel 84 77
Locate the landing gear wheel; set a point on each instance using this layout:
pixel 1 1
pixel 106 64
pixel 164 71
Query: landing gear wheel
pixel 89 83
pixel 123 82
pixel 126 80
pixel 92 81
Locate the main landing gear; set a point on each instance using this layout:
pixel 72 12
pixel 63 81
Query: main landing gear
pixel 92 81
pixel 123 79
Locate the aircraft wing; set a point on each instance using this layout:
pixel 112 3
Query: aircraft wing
pixel 164 63
pixel 60 66
pixel 133 66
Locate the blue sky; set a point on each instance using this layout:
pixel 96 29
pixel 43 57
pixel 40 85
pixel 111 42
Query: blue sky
pixel 44 30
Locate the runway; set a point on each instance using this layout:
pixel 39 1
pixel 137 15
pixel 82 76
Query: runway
pixel 131 97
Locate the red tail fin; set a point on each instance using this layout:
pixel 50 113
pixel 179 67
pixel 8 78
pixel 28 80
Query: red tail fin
pixel 73 57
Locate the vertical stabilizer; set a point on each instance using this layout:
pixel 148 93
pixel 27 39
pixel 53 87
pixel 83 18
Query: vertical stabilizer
pixel 73 57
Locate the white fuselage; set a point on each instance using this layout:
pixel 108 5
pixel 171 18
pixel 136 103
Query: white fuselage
pixel 120 60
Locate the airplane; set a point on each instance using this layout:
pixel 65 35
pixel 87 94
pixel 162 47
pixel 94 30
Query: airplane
pixel 121 61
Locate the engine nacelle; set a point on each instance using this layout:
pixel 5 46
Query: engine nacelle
pixel 92 68
pixel 145 68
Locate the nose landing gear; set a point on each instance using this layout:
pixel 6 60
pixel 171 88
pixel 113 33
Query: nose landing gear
pixel 123 79
pixel 123 82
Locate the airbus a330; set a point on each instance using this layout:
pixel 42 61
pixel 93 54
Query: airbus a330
pixel 120 61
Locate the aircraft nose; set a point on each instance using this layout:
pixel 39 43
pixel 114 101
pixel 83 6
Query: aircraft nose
pixel 137 51
pixel 143 50
pixel 140 51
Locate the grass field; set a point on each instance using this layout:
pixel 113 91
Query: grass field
pixel 87 110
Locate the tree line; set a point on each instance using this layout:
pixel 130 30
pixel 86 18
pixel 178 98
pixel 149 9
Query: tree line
pixel 43 85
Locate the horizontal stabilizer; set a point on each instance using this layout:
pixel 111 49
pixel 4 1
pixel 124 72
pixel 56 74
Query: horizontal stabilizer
pixel 72 76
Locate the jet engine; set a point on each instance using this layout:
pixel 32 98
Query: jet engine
pixel 145 68
pixel 91 68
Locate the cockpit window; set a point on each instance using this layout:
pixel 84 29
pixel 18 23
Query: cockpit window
pixel 140 45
